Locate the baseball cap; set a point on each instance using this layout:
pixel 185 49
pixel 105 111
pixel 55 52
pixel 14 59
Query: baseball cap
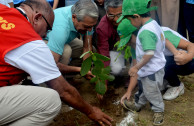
pixel 125 30
pixel 131 7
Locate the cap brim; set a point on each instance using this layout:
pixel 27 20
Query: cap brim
pixel 124 41
pixel 120 18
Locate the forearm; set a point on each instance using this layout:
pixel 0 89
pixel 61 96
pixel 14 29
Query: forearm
pixel 55 4
pixel 68 69
pixel 132 83
pixel 190 51
pixel 70 95
pixel 171 47
pixel 87 45
pixel 145 59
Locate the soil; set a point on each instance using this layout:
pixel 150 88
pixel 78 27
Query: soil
pixel 178 112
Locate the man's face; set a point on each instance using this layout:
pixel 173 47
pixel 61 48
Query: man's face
pixel 42 23
pixel 85 25
pixel 113 14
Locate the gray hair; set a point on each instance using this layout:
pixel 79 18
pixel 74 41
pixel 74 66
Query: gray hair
pixel 112 3
pixel 84 8
pixel 39 5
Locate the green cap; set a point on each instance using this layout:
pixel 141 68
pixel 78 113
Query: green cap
pixel 131 7
pixel 125 30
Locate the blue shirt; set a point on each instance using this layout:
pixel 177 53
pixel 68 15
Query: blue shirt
pixel 70 2
pixel 63 30
pixel 190 1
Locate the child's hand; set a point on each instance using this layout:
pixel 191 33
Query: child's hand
pixel 133 71
pixel 127 96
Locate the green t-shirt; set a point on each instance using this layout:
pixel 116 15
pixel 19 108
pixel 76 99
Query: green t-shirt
pixel 174 39
pixel 148 40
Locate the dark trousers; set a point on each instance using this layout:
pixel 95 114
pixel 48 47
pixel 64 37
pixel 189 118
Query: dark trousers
pixel 189 20
pixel 172 70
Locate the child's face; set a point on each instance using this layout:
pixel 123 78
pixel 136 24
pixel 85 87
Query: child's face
pixel 135 21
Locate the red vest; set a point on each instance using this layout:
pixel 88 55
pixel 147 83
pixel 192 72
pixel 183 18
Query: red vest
pixel 15 30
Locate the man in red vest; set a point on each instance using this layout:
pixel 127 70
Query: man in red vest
pixel 22 53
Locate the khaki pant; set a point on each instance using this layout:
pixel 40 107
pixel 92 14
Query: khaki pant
pixel 28 105
pixel 72 52
pixel 167 13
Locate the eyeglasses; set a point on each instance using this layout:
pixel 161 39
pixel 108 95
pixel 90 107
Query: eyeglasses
pixel 48 25
pixel 112 16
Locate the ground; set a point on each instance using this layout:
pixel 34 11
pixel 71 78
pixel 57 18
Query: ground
pixel 178 112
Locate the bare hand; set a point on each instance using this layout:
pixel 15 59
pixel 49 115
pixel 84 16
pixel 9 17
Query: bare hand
pixel 127 96
pixel 133 71
pixel 89 75
pixel 181 58
pixel 98 116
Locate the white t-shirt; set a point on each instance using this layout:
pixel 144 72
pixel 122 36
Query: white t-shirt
pixel 158 61
pixel 36 59
pixel 6 2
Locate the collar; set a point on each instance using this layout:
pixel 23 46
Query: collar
pixel 22 12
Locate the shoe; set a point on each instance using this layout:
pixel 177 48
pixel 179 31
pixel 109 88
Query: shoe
pixel 174 92
pixel 158 118
pixel 130 105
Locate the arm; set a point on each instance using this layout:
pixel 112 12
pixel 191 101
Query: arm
pixel 11 5
pixel 145 59
pixel 55 4
pixel 62 67
pixel 132 84
pixel 72 97
pixel 184 57
pixel 87 45
pixel 171 47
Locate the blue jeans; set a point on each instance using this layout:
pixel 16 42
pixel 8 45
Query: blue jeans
pixel 172 70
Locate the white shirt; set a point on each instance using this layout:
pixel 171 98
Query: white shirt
pixel 6 2
pixel 36 59
pixel 158 61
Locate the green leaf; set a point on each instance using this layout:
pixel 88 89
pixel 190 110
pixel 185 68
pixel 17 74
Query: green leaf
pixel 96 70
pixel 86 65
pixel 127 52
pixel 106 70
pixel 93 57
pixel 103 76
pixel 111 78
pixel 100 87
pixel 85 54
pixel 93 80
pixel 116 44
pixel 117 56
pixel 98 63
pixel 101 57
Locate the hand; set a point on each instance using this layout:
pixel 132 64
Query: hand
pixel 133 71
pixel 98 116
pixel 100 97
pixel 181 58
pixel 127 96
pixel 89 75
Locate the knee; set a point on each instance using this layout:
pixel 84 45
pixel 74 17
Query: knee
pixel 54 102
